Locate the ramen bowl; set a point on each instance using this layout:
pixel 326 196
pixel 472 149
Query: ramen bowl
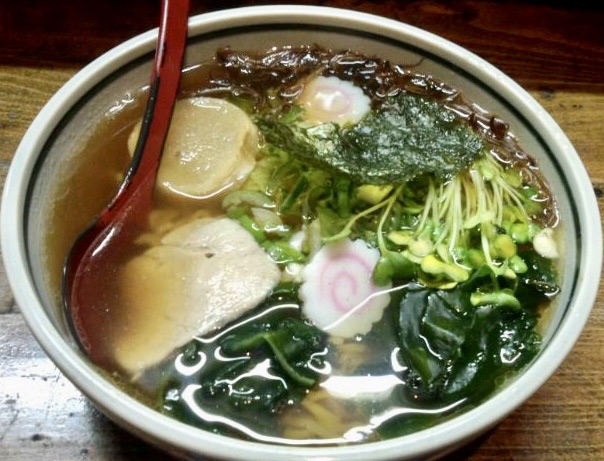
pixel 109 83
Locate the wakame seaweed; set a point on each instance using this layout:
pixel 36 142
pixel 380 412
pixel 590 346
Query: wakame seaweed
pixel 266 361
pixel 407 137
pixel 455 348
pixel 454 352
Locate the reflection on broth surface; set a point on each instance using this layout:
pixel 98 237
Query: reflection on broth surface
pixel 341 250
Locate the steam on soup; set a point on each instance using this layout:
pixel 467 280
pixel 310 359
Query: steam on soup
pixel 341 251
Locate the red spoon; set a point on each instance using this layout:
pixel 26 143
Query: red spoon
pixel 100 245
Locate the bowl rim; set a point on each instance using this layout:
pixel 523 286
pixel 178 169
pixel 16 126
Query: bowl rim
pixel 160 429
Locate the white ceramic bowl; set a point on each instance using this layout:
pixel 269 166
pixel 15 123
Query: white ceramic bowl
pixel 65 120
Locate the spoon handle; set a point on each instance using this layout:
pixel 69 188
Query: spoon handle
pixel 165 82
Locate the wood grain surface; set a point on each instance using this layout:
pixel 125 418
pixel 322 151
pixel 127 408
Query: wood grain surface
pixel 554 50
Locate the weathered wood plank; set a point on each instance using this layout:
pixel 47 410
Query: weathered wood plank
pixel 23 93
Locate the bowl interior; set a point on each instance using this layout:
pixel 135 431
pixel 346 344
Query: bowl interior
pixel 114 78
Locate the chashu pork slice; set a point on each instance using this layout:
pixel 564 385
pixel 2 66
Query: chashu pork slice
pixel 210 147
pixel 204 275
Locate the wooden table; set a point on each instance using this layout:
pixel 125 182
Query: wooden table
pixel 556 53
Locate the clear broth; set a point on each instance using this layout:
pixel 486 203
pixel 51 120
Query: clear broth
pixel 93 180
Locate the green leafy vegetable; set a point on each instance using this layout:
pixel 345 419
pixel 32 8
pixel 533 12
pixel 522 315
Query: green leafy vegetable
pixel 291 342
pixel 265 362
pixel 540 273
pixel 458 350
pixel 407 137
pixel 282 252
pixel 456 353
pixel 538 284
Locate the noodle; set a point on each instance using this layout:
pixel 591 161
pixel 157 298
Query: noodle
pixel 320 416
